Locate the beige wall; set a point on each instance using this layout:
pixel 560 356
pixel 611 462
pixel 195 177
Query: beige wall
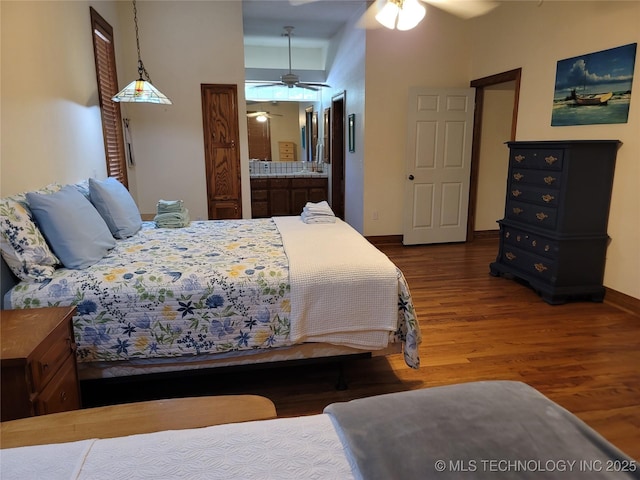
pixel 534 37
pixel 51 127
pixel 497 115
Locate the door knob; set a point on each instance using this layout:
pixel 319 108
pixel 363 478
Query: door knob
pixel 411 177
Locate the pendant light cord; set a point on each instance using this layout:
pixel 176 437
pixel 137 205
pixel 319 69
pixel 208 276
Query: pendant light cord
pixel 141 69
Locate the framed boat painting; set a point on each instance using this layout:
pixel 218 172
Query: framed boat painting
pixel 594 88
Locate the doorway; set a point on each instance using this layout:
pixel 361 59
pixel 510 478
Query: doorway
pixel 337 154
pixel 485 102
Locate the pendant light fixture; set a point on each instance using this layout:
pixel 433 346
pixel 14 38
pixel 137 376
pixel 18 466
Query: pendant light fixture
pixel 141 90
pixel 401 14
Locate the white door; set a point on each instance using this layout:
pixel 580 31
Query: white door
pixel 438 165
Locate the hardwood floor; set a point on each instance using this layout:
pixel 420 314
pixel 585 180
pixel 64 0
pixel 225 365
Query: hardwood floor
pixel 584 356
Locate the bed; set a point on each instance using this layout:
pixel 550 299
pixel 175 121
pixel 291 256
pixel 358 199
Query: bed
pixel 492 429
pixel 220 293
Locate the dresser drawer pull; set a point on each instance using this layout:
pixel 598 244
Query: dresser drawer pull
pixel 519 158
pixel 507 235
pixel 541 216
pixel 516 193
pixel 550 159
pixel 45 367
pixel 510 255
pixel 547 248
pixel 534 243
pixel 63 396
pixel 517 210
pixel 549 180
pixel 539 267
pixel 548 198
pixel 518 176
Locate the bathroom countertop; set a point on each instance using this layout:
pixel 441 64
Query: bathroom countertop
pixel 290 175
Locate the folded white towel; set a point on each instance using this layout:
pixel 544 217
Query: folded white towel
pixel 318 208
pixel 306 218
pixel 317 213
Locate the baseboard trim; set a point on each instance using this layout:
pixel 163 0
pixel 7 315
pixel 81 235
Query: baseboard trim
pixel 485 234
pixel 622 301
pixel 385 240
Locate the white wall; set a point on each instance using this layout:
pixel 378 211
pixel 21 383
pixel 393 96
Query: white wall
pixel 435 54
pixel 535 36
pixel 347 72
pixel 51 126
pixel 183 44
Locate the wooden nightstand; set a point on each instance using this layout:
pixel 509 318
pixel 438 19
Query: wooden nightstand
pixel 39 371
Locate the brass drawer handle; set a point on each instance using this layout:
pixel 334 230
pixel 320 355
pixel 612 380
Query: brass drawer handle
pixel 519 158
pixel 63 396
pixel 541 216
pixel 539 267
pixel 549 180
pixel 510 255
pixel 550 159
pixel 516 193
pixel 518 176
pixel 517 210
pixel 547 198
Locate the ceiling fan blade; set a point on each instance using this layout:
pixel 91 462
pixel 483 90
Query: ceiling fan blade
pixel 464 8
pixel 265 85
pixel 313 84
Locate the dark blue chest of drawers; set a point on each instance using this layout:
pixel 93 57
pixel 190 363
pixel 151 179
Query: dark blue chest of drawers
pixel 554 232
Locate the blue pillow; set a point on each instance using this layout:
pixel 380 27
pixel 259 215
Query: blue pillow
pixel 114 202
pixel 73 227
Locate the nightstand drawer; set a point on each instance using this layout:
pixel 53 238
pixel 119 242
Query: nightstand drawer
pixel 61 394
pixel 55 350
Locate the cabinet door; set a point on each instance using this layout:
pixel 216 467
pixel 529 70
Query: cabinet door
pixel 279 201
pixel 299 198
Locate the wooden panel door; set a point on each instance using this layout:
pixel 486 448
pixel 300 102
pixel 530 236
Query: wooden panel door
pixel 221 154
pixel 438 165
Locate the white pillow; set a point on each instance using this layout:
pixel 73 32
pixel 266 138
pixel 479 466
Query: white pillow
pixel 115 204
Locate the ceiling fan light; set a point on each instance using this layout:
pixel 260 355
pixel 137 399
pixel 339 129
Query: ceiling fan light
pixel 141 91
pixel 410 15
pixel 261 118
pixel 387 15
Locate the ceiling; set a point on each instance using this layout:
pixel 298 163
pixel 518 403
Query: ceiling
pixel 315 22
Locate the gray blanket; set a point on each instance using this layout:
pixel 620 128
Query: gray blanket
pixel 492 429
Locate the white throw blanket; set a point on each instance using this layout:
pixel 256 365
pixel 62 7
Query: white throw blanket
pixel 343 289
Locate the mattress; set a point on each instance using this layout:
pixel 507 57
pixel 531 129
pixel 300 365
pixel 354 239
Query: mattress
pixel 212 287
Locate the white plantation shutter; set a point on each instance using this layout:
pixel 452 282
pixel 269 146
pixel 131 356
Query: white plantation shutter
pixel 105 58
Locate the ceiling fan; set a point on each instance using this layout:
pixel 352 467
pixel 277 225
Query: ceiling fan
pixel 262 116
pixel 406 14
pixel 290 79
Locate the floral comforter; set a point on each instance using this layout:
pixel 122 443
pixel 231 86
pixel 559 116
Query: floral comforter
pixel 214 286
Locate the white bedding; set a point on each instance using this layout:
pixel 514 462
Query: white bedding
pixel 347 275
pixel 286 448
